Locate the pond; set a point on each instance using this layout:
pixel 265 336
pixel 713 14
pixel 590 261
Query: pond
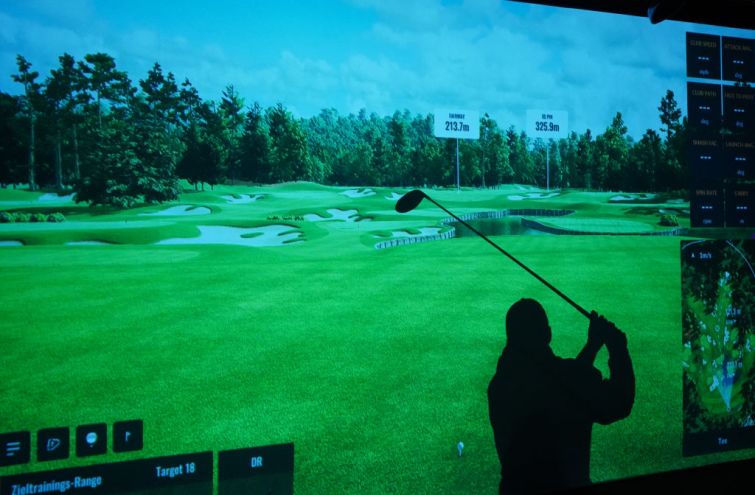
pixel 511 225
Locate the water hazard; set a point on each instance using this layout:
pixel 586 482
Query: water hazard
pixel 511 225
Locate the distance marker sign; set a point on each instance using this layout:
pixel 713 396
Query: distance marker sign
pixel 459 124
pixel 547 124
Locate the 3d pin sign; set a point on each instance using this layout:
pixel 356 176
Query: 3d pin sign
pixel 547 124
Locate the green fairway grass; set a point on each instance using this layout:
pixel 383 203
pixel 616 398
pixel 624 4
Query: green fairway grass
pixel 374 363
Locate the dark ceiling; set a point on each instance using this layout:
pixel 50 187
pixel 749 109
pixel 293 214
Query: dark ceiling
pixel 731 13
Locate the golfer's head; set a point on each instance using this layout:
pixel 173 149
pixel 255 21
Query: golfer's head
pixel 527 325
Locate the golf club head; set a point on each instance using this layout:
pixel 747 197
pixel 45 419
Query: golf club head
pixel 409 201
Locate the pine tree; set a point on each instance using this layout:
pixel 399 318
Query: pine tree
pixel 288 152
pixel 31 104
pixel 11 150
pixel 670 114
pixel 254 147
pixel 60 95
pixel 105 82
pixel 231 111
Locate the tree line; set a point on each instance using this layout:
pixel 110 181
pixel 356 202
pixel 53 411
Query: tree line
pixel 89 127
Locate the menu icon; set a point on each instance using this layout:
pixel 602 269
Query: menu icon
pixel 15 448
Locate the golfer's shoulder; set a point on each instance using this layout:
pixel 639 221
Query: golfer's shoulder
pixel 575 369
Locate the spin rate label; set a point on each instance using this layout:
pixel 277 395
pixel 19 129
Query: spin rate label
pixel 707 206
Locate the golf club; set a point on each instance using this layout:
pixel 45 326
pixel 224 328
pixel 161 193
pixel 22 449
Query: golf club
pixel 412 199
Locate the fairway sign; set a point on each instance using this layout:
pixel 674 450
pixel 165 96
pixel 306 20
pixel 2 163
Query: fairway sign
pixel 547 124
pixel 459 124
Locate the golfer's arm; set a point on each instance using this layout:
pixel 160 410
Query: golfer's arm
pixel 618 391
pixel 589 352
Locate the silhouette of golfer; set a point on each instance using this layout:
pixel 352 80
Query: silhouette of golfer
pixel 542 407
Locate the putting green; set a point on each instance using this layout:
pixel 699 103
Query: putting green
pixel 599 225
pixel 374 363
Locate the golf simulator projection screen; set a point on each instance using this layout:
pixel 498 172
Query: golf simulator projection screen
pixel 206 287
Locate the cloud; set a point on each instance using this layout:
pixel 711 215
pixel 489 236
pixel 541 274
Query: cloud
pixel 506 60
pixel 63 12
pixel 42 44
pixel 416 14
pixel 9 29
pixel 501 58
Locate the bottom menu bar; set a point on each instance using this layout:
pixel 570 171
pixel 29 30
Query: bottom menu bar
pixel 189 474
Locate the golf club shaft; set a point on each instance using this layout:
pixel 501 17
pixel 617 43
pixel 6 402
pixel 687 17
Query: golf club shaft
pixel 499 248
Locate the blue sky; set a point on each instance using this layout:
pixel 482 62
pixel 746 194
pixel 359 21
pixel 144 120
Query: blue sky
pixel 486 55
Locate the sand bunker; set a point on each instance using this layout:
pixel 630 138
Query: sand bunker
pixel 54 197
pixel 269 235
pixel 336 214
pixel 359 193
pixel 11 243
pixel 394 196
pixel 242 199
pixel 424 231
pixel 88 243
pixel 632 197
pixel 179 210
pixel 517 197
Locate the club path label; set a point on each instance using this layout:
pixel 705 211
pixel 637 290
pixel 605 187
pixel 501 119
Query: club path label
pixel 704 107
pixel 459 124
